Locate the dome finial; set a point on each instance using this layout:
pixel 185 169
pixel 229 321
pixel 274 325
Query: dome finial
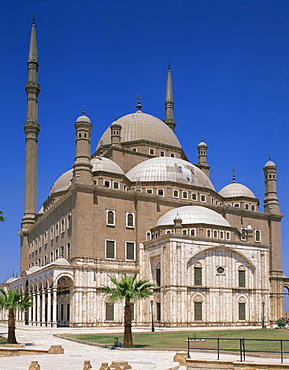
pixel 33 19
pixel 269 156
pixel 83 110
pixel 233 175
pixel 100 150
pixel 139 106
pixel 169 65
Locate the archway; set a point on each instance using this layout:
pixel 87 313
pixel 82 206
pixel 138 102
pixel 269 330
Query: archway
pixel 64 286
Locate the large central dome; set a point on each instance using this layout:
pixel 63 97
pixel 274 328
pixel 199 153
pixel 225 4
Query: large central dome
pixel 142 126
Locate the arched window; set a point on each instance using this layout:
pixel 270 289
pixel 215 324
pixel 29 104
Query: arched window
pixel 198 274
pixel 257 235
pixel 110 218
pixel 129 219
pixel 242 277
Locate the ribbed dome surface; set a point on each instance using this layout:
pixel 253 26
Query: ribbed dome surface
pixel 169 169
pixel 142 126
pixel 236 190
pixel 63 182
pixel 193 215
pixel 105 164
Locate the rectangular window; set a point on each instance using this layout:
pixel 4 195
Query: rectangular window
pixel 62 251
pixel 158 276
pixel 68 251
pixel 193 232
pixel 159 313
pixel 109 312
pixel 203 198
pixel 69 221
pixel 52 233
pixel 45 237
pixel 149 191
pixel 198 311
pixel 228 235
pixel 185 195
pixel 116 185
pixel 51 256
pixel 56 254
pixel 110 246
pixel 242 311
pixel 130 251
pixel 176 193
pixel 242 282
pixel 62 225
pixel 57 229
pixel 194 196
pixel 160 192
pixel 198 276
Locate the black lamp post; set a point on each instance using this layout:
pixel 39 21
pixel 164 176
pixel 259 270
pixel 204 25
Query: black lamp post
pixel 152 311
pixel 263 315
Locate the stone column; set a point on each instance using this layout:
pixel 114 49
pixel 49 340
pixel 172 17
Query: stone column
pixel 49 307
pixel 43 308
pixel 34 309
pixel 54 303
pixel 38 308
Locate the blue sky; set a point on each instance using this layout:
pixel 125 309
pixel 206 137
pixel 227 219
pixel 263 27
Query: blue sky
pixel 230 66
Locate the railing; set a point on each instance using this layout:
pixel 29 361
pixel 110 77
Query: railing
pixel 242 347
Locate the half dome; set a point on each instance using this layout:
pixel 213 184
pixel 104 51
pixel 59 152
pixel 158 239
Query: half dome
pixel 236 190
pixel 169 169
pixel 105 164
pixel 193 215
pixel 142 126
pixel 63 182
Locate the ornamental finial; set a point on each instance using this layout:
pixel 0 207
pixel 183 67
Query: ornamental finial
pixel 83 110
pixel 269 156
pixel 139 106
pixel 33 19
pixel 233 175
pixel 169 65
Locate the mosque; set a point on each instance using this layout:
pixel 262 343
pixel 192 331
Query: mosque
pixel 136 205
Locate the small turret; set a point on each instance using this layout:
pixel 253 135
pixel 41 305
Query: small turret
pixel 115 134
pixel 82 167
pixel 271 204
pixel 202 158
pixel 169 103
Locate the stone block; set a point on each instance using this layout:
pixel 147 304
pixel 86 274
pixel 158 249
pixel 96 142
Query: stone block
pixel 56 350
pixel 87 365
pixel 34 365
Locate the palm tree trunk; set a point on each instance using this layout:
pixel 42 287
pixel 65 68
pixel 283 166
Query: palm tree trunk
pixel 11 327
pixel 127 338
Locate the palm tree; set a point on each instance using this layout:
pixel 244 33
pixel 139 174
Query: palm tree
pixel 12 300
pixel 2 218
pixel 130 290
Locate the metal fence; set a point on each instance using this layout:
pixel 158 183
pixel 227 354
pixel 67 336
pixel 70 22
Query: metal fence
pixel 242 350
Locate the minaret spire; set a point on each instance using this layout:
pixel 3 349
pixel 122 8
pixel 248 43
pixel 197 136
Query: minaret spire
pixel 31 128
pixel 169 103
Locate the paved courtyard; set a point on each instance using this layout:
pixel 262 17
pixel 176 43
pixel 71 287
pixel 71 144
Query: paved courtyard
pixel 75 353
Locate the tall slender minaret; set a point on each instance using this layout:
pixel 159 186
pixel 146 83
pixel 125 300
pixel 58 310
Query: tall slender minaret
pixel 31 128
pixel 169 103
pixel 202 158
pixel 271 204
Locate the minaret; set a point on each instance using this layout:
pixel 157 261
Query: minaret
pixel 271 204
pixel 31 128
pixel 202 158
pixel 82 167
pixel 169 103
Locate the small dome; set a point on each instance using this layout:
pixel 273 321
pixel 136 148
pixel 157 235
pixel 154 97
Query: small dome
pixel 105 164
pixel 193 215
pixel 33 269
pixel 63 182
pixel 10 280
pixel 142 126
pixel 270 164
pixel 60 261
pixel 83 119
pixel 169 169
pixel 236 190
pixel 201 144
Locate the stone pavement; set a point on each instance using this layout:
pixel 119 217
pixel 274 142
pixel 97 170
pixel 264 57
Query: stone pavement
pixel 76 353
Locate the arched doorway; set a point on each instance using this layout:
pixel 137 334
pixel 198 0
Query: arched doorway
pixel 64 286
